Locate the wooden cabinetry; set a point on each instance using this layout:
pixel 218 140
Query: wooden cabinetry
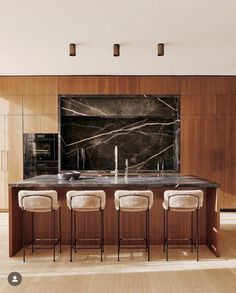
pixel 11 148
pixel 40 113
pixel 10 104
pixel 2 165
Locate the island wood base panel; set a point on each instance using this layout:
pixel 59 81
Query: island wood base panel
pixel 132 224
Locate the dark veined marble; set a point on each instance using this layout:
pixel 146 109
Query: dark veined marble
pixel 86 180
pixel 145 129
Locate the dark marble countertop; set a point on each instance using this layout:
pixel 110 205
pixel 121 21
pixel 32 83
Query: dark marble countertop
pixel 170 180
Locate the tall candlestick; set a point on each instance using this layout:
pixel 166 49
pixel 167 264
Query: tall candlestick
pixel 126 168
pixel 116 160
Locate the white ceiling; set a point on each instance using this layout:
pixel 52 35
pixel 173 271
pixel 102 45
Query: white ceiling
pixel 199 37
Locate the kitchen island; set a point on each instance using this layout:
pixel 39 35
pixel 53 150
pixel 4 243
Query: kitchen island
pixel 179 223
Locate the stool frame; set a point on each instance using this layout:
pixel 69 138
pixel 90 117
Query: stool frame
pixel 147 226
pixel 75 241
pixel 33 240
pixel 166 238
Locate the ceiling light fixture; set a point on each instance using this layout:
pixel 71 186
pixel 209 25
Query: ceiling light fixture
pixel 116 50
pixel 160 49
pixel 72 49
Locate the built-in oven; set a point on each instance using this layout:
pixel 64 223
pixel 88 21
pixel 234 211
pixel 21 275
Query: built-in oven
pixel 40 154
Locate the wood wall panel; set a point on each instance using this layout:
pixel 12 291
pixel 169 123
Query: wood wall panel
pixel 78 85
pixel 40 104
pixel 224 105
pixel 223 160
pixel 233 105
pixel 232 200
pixel 198 145
pixel 233 85
pixel 198 85
pixel 49 124
pixel 40 85
pixel 10 85
pixel 205 85
pixel 31 124
pixel 119 85
pixel 3 85
pixel 223 85
pixel 198 104
pixel 160 85
pixel 10 104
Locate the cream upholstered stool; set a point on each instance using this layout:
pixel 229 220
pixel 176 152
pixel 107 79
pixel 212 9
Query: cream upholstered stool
pixel 39 201
pixel 86 201
pixel 134 201
pixel 182 201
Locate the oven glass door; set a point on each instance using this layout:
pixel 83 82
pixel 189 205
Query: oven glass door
pixel 42 150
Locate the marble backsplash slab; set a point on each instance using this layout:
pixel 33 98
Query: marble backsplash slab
pixel 145 128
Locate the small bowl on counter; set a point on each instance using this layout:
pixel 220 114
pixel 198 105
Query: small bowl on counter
pixel 68 175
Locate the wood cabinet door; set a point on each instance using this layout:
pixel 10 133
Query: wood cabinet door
pixel 2 165
pixel 10 104
pixel 14 147
pixel 40 104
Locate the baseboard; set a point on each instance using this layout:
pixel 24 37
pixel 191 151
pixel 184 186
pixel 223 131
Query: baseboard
pixel 228 210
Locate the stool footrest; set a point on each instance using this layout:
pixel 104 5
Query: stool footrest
pixel 132 247
pixel 57 240
pixel 133 239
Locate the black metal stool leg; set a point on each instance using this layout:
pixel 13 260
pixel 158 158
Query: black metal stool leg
pixel 197 233
pixel 23 233
pixel 32 232
pixel 101 233
pixel 146 228
pixel 191 231
pixel 75 240
pixel 54 235
pixel 71 233
pixel 167 239
pixel 164 230
pixel 148 235
pixel 60 226
pixel 118 235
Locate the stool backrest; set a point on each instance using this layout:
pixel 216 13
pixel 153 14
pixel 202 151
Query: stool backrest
pixel 183 199
pixel 86 200
pixel 133 200
pixel 38 200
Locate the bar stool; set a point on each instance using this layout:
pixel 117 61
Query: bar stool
pixel 86 201
pixel 182 201
pixel 39 201
pixel 134 201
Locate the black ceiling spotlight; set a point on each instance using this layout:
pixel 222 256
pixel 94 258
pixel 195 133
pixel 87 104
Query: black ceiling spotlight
pixel 116 50
pixel 160 49
pixel 72 49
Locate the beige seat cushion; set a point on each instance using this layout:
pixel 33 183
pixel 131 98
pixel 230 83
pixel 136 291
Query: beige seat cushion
pixel 183 200
pixel 133 200
pixel 86 200
pixel 38 200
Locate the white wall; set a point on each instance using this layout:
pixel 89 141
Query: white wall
pixel 199 36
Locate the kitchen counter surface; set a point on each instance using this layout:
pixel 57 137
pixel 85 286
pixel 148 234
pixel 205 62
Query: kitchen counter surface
pixel 170 180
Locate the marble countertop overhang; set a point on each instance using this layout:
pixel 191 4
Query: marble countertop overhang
pixel 89 181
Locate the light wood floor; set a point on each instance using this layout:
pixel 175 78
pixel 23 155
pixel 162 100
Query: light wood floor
pixel 132 274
